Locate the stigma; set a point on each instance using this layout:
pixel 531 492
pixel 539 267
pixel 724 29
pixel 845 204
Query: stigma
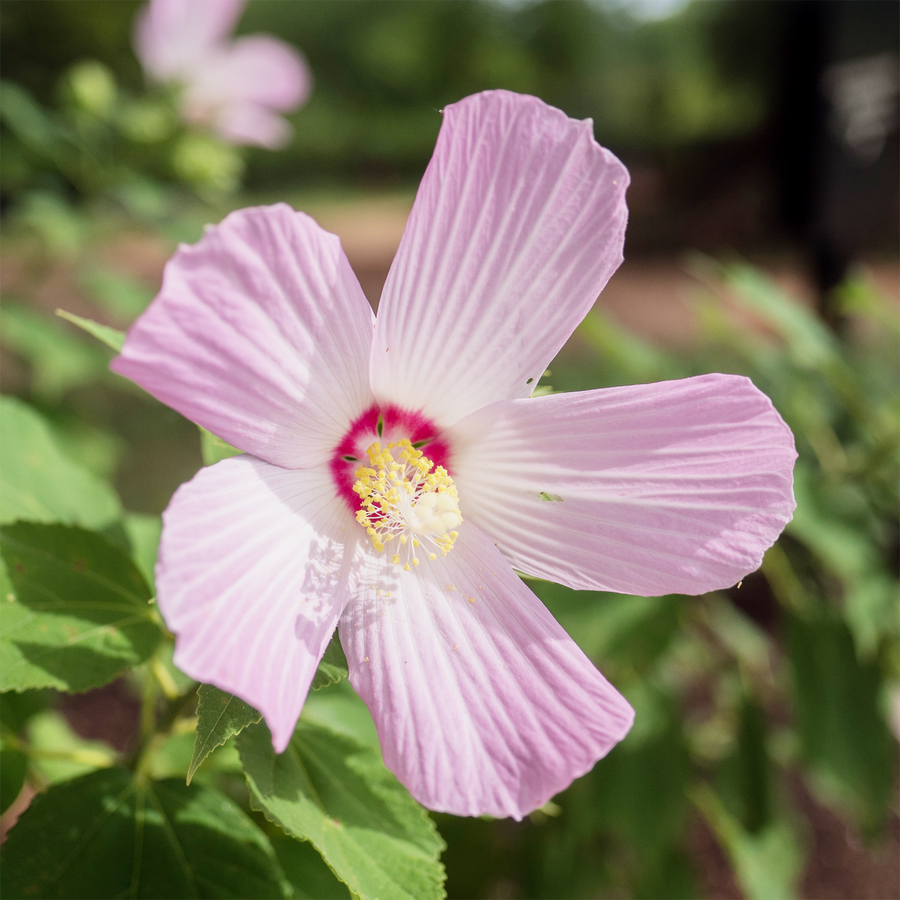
pixel 407 502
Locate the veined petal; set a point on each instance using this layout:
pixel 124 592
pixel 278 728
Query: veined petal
pixel 261 334
pixel 172 38
pixel 252 578
pixel 483 704
pixel 676 487
pixel 517 226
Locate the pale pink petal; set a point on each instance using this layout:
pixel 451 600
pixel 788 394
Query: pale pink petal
pixel 483 704
pixel 252 125
pixel 676 487
pixel 252 578
pixel 261 334
pixel 172 38
pixel 255 69
pixel 517 226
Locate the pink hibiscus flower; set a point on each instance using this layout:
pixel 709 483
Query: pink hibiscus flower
pixel 237 87
pixel 397 470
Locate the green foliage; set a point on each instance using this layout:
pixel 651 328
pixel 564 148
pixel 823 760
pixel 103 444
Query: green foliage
pixel 842 731
pixel 333 667
pixel 38 483
pixel 77 613
pixel 110 834
pixel 13 765
pixel 214 449
pixel 336 793
pixel 110 336
pixel 219 717
pixel 59 361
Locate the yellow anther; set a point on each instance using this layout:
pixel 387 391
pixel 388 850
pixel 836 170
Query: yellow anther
pixel 404 495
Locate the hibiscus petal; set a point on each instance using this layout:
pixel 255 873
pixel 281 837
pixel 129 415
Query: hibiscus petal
pixel 173 37
pixel 676 487
pixel 256 69
pixel 252 579
pixel 261 334
pixel 483 704
pixel 517 226
pixel 252 125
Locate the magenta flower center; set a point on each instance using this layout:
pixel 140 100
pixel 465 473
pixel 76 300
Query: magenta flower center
pixel 384 425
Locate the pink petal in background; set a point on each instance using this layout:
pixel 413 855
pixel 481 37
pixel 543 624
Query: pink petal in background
pixel 483 704
pixel 517 226
pixel 676 487
pixel 174 37
pixel 261 334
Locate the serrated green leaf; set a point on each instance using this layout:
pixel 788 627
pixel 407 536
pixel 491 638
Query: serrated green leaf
pixel 112 337
pixel 78 614
pixel 335 792
pixel 108 835
pixel 307 872
pixel 39 483
pixel 13 764
pixel 219 717
pixel 333 665
pixel 213 449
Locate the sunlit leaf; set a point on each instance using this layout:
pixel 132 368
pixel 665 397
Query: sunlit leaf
pixel 78 613
pixel 336 793
pixel 38 483
pixel 214 449
pixel 109 834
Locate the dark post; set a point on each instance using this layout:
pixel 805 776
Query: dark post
pixel 838 137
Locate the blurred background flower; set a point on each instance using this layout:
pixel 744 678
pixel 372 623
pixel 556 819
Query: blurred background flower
pixel 236 88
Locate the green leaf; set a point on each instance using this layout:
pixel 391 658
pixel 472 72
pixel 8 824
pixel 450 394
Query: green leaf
pixel 307 871
pixel 144 532
pixel 13 764
pixel 219 717
pixel 640 790
pixel 333 666
pixel 121 294
pixel 59 753
pixel 842 732
pixel 78 614
pixel 109 336
pixel 108 834
pixel 336 793
pixel 58 360
pixel 214 449
pixel 767 864
pixel 27 120
pixel 39 483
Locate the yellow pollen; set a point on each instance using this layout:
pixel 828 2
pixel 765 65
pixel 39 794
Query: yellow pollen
pixel 404 495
